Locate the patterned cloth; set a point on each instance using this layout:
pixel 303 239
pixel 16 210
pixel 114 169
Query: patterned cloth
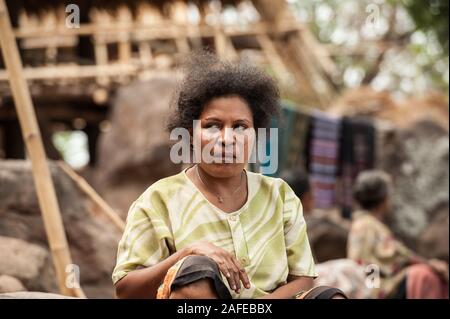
pixel 346 275
pixel 357 154
pixel 371 242
pixel 323 158
pixel 424 283
pixel 190 269
pixel 267 235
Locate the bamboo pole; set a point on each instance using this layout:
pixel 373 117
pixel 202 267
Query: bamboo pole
pixel 41 173
pixel 93 195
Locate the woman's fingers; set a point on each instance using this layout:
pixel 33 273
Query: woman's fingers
pixel 242 274
pixel 235 274
pixel 224 268
pixel 232 270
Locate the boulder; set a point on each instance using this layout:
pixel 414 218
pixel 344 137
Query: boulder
pixel 417 159
pixel 32 295
pixel 92 238
pixel 134 152
pixel 10 284
pixel 29 263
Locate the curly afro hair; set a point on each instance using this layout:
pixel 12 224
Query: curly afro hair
pixel 206 78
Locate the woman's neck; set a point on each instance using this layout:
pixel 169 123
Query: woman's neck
pixel 223 183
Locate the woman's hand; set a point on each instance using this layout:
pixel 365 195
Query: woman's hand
pixel 227 263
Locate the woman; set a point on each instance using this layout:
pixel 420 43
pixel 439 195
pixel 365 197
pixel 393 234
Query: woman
pixel 398 272
pixel 216 230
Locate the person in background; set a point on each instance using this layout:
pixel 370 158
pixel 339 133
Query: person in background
pixel 403 273
pixel 341 273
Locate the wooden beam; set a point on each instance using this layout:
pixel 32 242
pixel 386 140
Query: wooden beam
pixel 41 173
pixel 80 71
pixel 274 58
pixel 94 196
pixel 157 31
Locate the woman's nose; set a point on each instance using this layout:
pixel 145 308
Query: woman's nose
pixel 227 136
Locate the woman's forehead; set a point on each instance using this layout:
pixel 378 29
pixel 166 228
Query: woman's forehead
pixel 232 107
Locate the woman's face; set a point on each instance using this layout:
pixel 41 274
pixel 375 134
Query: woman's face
pixel 226 136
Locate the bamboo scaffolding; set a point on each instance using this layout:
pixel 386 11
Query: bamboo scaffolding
pixel 94 196
pixel 41 173
pixel 274 58
pixel 153 32
pixel 302 65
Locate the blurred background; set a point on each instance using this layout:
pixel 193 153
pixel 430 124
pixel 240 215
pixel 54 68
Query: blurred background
pixel 364 85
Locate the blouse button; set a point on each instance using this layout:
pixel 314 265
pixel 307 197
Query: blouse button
pixel 244 261
pixel 233 218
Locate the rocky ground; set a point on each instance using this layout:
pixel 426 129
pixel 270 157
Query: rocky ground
pixel 25 262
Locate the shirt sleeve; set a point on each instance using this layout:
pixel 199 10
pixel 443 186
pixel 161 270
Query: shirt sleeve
pixel 144 242
pixel 299 255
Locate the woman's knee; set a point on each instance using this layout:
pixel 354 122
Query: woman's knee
pixel 199 260
pixel 201 288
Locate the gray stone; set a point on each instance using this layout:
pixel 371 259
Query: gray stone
pixel 134 153
pixel 10 284
pixel 91 237
pixel 30 263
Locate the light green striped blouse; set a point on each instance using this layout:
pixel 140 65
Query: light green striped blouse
pixel 267 235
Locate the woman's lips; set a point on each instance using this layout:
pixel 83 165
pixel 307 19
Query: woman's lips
pixel 229 157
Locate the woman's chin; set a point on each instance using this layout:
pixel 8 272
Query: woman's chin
pixel 224 170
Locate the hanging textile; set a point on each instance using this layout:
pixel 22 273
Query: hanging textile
pixel 357 154
pixel 323 158
pixel 299 139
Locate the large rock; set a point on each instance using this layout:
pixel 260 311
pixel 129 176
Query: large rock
pixel 134 153
pixel 10 284
pixel 92 239
pixel 417 158
pixel 32 295
pixel 30 263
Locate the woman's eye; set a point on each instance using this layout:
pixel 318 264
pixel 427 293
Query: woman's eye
pixel 240 127
pixel 212 126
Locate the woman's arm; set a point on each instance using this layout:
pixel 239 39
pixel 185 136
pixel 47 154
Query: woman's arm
pixel 288 291
pixel 144 283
